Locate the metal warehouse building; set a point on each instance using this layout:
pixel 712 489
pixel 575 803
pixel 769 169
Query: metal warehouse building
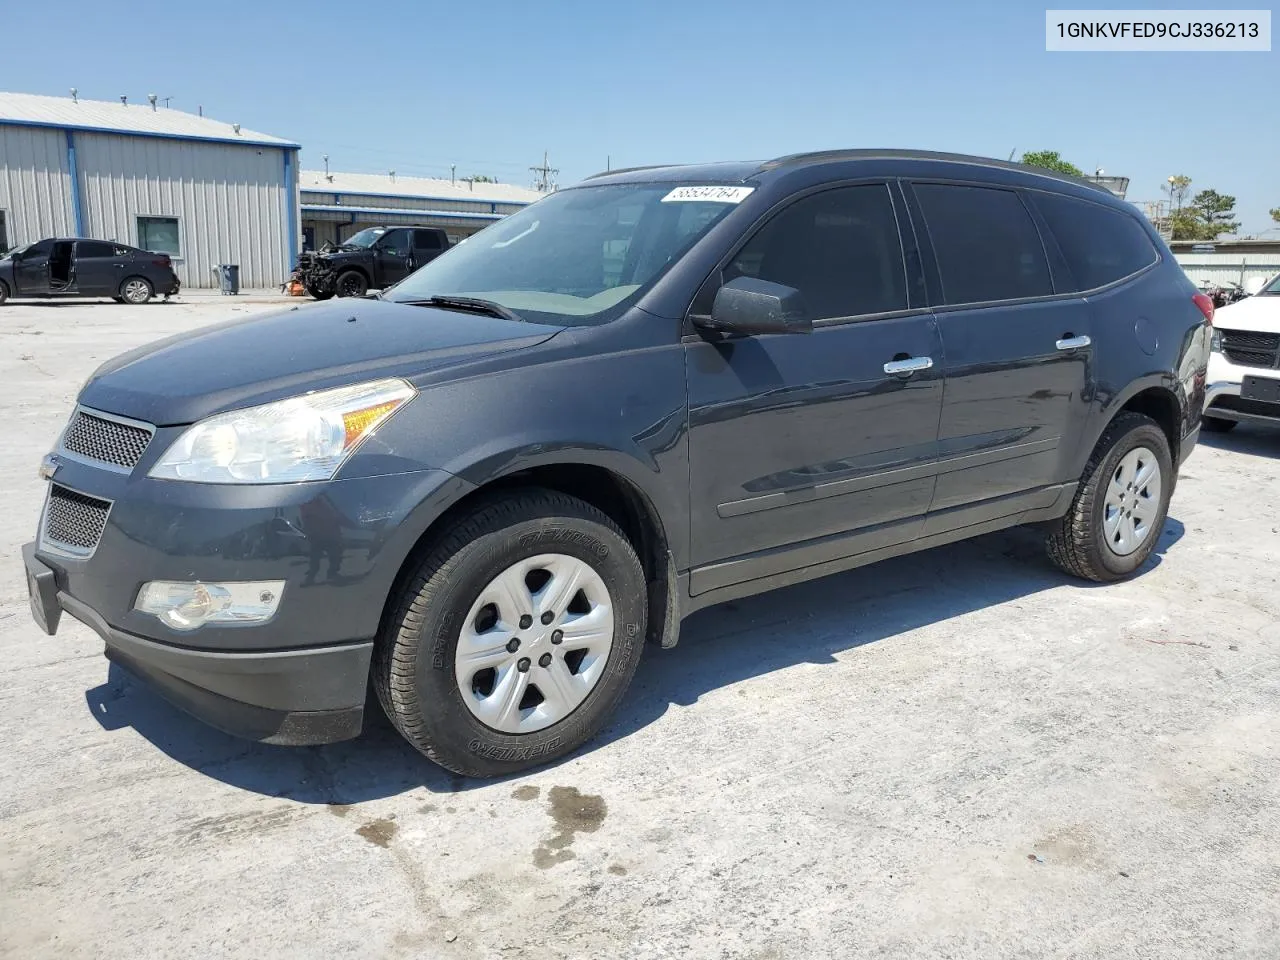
pixel 336 205
pixel 202 191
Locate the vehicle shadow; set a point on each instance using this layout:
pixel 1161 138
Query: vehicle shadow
pixel 719 646
pixel 1259 440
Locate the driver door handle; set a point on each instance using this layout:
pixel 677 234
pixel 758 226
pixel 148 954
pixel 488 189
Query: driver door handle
pixel 1073 343
pixel 909 365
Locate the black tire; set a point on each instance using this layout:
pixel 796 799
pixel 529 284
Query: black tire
pixel 4 292
pixel 1075 541
pixel 1217 424
pixel 351 283
pixel 413 667
pixel 315 294
pixel 142 290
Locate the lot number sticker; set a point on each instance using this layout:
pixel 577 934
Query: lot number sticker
pixel 708 194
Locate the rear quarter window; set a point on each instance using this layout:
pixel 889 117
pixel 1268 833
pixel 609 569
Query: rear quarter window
pixel 1100 245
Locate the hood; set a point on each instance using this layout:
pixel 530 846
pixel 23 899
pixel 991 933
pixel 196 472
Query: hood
pixel 1258 314
pixel 185 378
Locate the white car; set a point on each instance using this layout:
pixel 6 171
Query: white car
pixel 1244 368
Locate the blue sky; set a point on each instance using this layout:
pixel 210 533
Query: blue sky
pixel 415 86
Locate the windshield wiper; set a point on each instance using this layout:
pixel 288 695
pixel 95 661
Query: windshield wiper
pixel 469 304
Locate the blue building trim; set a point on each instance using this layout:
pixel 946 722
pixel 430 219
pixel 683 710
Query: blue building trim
pixel 242 141
pixel 291 205
pixel 398 212
pixel 77 214
pixel 479 200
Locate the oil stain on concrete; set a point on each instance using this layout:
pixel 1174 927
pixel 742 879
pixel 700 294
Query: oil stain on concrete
pixel 526 792
pixel 573 813
pixel 379 832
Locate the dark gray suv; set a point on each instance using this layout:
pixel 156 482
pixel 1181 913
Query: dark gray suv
pixel 658 390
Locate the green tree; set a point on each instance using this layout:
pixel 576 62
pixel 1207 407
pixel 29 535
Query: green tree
pixel 1215 212
pixel 1187 226
pixel 1051 160
pixel 481 178
pixel 1275 214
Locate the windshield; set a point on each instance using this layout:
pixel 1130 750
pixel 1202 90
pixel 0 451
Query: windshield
pixel 1272 289
pixel 577 256
pixel 365 238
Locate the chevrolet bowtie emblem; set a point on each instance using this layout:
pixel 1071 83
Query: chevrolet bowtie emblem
pixel 48 466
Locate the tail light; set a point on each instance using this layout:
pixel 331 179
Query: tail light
pixel 163 260
pixel 1206 306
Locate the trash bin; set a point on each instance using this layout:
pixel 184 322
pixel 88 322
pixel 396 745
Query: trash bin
pixel 228 278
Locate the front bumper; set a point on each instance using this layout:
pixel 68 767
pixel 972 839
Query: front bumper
pixel 300 677
pixel 283 696
pixel 1223 397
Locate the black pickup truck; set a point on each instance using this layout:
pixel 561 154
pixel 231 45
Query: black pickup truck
pixel 374 258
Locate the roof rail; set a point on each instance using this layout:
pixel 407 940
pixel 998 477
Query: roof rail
pixel 822 156
pixel 647 166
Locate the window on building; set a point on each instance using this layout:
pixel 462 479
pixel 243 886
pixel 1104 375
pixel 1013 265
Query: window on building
pixel 159 235
pixel 839 248
pixel 4 235
pixel 986 244
pixel 1100 245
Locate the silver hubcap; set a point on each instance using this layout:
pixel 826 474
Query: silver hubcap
pixel 1133 501
pixel 135 291
pixel 534 643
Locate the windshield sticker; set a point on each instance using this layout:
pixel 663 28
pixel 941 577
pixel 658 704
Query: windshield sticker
pixel 708 194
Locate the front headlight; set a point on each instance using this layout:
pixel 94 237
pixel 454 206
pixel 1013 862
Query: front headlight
pixel 302 438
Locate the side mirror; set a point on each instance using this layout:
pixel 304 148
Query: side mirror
pixel 749 306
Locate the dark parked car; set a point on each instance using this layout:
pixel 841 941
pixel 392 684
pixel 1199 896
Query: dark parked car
pixel 653 392
pixel 70 267
pixel 372 259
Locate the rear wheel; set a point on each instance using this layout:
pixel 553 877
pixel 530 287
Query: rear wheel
pixel 517 635
pixel 351 284
pixel 4 292
pixel 1120 506
pixel 136 290
pixel 1217 424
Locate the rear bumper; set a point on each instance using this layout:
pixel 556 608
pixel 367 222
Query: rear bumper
pixel 300 696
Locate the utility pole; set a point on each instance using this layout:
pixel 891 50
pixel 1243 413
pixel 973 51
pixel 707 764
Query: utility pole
pixel 543 181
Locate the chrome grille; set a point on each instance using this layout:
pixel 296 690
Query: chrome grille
pixel 107 441
pixel 74 521
pixel 1251 349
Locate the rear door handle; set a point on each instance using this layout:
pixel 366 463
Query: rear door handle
pixel 1073 343
pixel 909 365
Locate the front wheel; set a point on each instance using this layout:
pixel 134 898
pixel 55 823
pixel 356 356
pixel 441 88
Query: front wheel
pixel 1120 506
pixel 516 637
pixel 4 292
pixel 136 290
pixel 351 284
pixel 315 294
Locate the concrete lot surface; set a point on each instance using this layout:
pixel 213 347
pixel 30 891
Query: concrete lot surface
pixel 957 754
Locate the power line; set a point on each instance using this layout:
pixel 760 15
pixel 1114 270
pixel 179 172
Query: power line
pixel 543 181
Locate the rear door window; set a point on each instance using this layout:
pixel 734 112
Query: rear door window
pixel 94 249
pixel 1100 245
pixel 986 243
pixel 426 240
pixel 839 248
